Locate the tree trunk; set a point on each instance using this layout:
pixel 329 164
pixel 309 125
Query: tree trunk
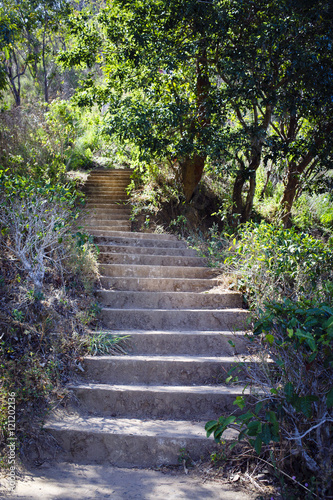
pixel 289 195
pixel 296 170
pixel 263 191
pixel 240 210
pixel 249 198
pixel 192 169
pixel 192 166
pixel 237 200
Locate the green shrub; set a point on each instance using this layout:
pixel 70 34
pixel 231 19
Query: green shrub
pixel 273 262
pixel 290 411
pixel 35 218
pixel 314 212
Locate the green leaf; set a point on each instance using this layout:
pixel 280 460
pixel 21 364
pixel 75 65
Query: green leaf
pixel 258 444
pixel 254 428
pixel 240 402
pixel 266 433
pixel 229 420
pixel 329 399
pixel 289 391
pixel 271 416
pixel 305 406
pixel 258 407
pixel 210 426
pixel 269 338
pixel 218 434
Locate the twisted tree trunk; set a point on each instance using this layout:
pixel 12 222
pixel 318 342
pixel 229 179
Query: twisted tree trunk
pixel 192 166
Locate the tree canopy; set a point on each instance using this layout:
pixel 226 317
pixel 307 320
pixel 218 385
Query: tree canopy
pixel 236 83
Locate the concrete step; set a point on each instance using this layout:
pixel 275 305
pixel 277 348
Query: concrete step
pixel 160 370
pixel 113 217
pixel 146 271
pixel 192 342
pixel 94 192
pixel 96 222
pixel 100 184
pixel 158 401
pixel 129 442
pixel 108 207
pixel 115 228
pixel 106 186
pixel 114 249
pixel 101 207
pixel 108 198
pixel 156 284
pixel 105 181
pixel 92 187
pixel 111 173
pixel 111 226
pixel 106 195
pixel 129 240
pixel 151 260
pixel 180 319
pixel 155 236
pixel 169 300
pixel 97 214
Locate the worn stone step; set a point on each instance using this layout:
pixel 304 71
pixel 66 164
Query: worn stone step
pixel 151 260
pixel 108 195
pixel 111 209
pixel 94 187
pixel 158 401
pixel 180 319
pixel 108 198
pixel 95 192
pixel 108 207
pixel 148 241
pixel 169 300
pixel 113 172
pixel 161 370
pixel 91 189
pixel 181 343
pixel 97 187
pixel 130 442
pixel 120 228
pixel 100 223
pixel 106 183
pixel 96 214
pixel 114 249
pixel 113 217
pixel 192 342
pixel 114 178
pixel 144 271
pixel 111 226
pixel 158 284
pixel 148 236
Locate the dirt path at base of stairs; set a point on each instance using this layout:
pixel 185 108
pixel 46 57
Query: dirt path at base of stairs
pixel 92 482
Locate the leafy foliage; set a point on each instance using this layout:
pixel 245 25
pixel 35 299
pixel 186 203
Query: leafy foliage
pixel 292 395
pixel 34 219
pixel 233 82
pixel 277 262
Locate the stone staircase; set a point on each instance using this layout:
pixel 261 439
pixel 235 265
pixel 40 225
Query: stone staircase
pixel 149 406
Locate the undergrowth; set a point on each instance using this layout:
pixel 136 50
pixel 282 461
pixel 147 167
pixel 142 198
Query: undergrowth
pixel 49 315
pixel 286 277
